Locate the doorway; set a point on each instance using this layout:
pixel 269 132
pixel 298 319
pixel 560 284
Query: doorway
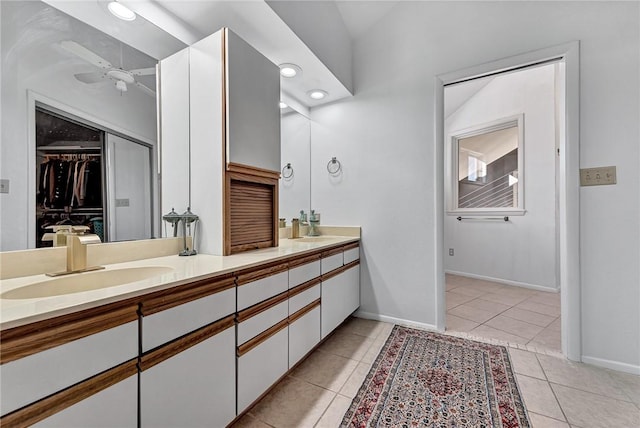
pixel 490 271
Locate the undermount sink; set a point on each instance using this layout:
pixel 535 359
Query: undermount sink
pixel 312 239
pixel 77 283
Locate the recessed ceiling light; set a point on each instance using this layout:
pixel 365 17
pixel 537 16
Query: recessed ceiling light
pixel 121 11
pixel 317 94
pixel 289 70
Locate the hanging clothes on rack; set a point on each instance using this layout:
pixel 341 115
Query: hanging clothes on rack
pixel 70 181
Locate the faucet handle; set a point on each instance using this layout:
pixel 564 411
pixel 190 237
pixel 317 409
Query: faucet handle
pixel 79 230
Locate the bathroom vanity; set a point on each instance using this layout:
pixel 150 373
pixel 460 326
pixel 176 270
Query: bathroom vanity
pixel 192 347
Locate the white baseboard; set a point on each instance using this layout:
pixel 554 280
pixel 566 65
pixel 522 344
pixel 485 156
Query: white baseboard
pixel 505 281
pixel 393 320
pixel 613 365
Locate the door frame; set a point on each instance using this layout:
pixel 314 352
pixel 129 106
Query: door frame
pixel 568 179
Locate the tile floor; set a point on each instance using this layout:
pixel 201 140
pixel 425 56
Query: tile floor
pixel 512 315
pixel 556 392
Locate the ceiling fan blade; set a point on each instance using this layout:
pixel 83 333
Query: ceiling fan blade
pixel 146 89
pixel 93 77
pixel 143 71
pixel 84 53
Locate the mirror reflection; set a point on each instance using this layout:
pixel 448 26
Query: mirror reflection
pixel 295 181
pixel 76 96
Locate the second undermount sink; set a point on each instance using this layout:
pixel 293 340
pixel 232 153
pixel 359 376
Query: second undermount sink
pixel 312 239
pixel 88 281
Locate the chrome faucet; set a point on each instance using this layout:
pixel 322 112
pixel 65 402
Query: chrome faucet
pixel 77 242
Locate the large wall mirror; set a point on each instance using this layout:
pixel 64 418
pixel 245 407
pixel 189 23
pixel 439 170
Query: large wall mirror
pixel 295 149
pixel 58 69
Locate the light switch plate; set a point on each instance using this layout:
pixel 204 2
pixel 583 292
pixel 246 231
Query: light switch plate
pixel 598 176
pixel 4 186
pixel 122 202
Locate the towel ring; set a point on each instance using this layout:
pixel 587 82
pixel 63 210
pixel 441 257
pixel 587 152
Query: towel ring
pixel 334 166
pixel 286 168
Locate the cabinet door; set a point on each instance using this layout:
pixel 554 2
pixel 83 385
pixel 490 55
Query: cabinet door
pixel 116 406
pixel 304 334
pixel 340 297
pixel 194 388
pixel 261 364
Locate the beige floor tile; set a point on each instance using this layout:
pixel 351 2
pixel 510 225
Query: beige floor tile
pixel 373 351
pixel 488 286
pixel 513 290
pixel 513 326
pixel 551 299
pixel 333 415
pixel 503 298
pixel 539 421
pixel 326 370
pixel 347 345
pixel 529 316
pixel 580 376
pixel 293 403
pixel 248 421
pixel 629 384
pixel 556 325
pixel 473 314
pixel 486 332
pixel 454 299
pixel 538 397
pixel 457 280
pixel 487 305
pixel 526 363
pixel 548 338
pixel 468 291
pixel 455 323
pixel 363 327
pixel 540 308
pixel 353 384
pixel 591 410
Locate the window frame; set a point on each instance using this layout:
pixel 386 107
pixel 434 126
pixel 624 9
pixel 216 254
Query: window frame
pixel 452 152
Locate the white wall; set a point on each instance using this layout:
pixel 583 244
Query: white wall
pixel 30 61
pixel 384 137
pixel 294 192
pixel 522 250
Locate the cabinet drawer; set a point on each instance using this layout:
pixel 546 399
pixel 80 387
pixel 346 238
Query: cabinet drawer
pixel 304 273
pixel 39 375
pixel 351 255
pixel 331 262
pixel 116 406
pixel 162 327
pixel 261 367
pixel 256 291
pixel 304 334
pixel 301 300
pixel 194 388
pixel 256 324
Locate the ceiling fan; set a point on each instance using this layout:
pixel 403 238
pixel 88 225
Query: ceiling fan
pixel 120 76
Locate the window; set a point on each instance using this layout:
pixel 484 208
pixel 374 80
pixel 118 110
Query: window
pixel 487 168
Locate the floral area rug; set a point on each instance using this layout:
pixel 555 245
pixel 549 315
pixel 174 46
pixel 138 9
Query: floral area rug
pixel 425 379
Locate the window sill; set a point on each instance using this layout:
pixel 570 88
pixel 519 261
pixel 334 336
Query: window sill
pixel 487 211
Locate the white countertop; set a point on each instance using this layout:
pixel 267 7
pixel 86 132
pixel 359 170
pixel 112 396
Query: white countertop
pixel 17 312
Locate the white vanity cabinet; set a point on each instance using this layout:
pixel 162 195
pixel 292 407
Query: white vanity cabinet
pixel 187 366
pixel 340 290
pixel 262 330
pixel 304 306
pixel 50 366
